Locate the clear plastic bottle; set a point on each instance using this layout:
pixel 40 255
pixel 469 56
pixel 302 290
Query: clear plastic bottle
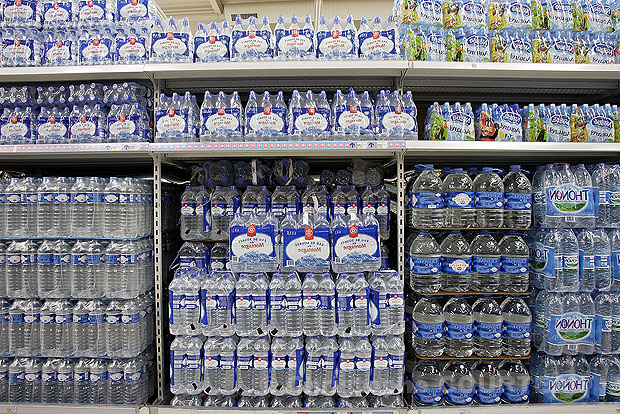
pixel 489 199
pixel 428 383
pixel 516 382
pixel 427 199
pixel 488 322
pixel 429 328
pixel 459 194
pixel 518 199
pixel 456 263
pixel 514 275
pixel 459 383
pixel 516 335
pixel 486 263
pixel 424 264
pixel 488 388
pixel 459 327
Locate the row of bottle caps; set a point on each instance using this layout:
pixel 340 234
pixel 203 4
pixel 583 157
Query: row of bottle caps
pixel 286 401
pixel 218 303
pixel 307 114
pixel 564 15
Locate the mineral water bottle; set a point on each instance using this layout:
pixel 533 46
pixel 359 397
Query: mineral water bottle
pixel 17 380
pixel 361 322
pixel 327 305
pixel 286 363
pixel 550 178
pixel 346 377
pixel 382 212
pixel 293 294
pixel 554 306
pixel 516 382
pixel 98 329
pixel 48 329
pixel 488 321
pixel 585 240
pixel 583 180
pixel 614 196
pixel 191 223
pixel 224 313
pixel 64 328
pixel 260 309
pixel 243 305
pixel 486 263
pixel 428 328
pixel 425 264
pixel 45 269
pixel 99 381
pixel 396 363
pixel 21 211
pixel 314 372
pixel 514 275
pixel 363 364
pixel 86 202
pixel 21 274
pixel 518 199
pixel 81 377
pixel 395 303
pixel 116 381
pixel 4 379
pixel 602 260
pixel 344 310
pixel 4 326
pixel 459 199
pixel 489 199
pixel 488 388
pixel 132 372
pixel 603 306
pixel 310 304
pixel 49 381
pixel 428 385
pixel 31 328
pixel 456 263
pixel 516 334
pixel 459 383
pixel 87 269
pixel 380 355
pixel 613 380
pixel 277 304
pixel 459 328
pixel 378 306
pixel 178 362
pixel 427 200
pixel 193 369
pixel 32 380
pixel 130 330
pixel 47 208
pixel 65 381
pixel 114 328
pixel 218 257
pixel 539 208
pixel 599 369
pixel 587 308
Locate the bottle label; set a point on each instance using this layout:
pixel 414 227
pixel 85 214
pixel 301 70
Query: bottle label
pixel 485 199
pixel 99 319
pixel 123 125
pixel 488 330
pixel 172 122
pixel 259 302
pixel 310 120
pixel 397 118
pixel 428 330
pixel 278 363
pixel 131 48
pixel 356 244
pixel 453 265
pixel 516 394
pixel 260 362
pixel 227 362
pixel 518 330
pixel 427 395
pixel 52 127
pixel 131 9
pixel 170 43
pixel 335 43
pixel 486 265
pixel 347 365
pixel 250 42
pixel 568 200
pixel 45 258
pixel 95 49
pixel 570 262
pixel 293 302
pixel 377 42
pixel 327 302
pixel 345 303
pixel 427 200
pixel 363 364
pixel 353 119
pixel 211 48
pixel 459 395
pixel 586 262
pixel 565 388
pixel 601 262
pixel 253 244
pixel 459 330
pixel 603 326
pixel 460 199
pixel 518 201
pixel 515 265
pixel 188 209
pixel 56 13
pixel 311 302
pixel 130 319
pixel 221 121
pixel 488 395
pixel 424 265
pixel 133 376
pixel 572 328
pixel 306 247
pixel 265 120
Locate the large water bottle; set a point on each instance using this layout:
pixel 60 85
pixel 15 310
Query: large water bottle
pixel 395 313
pixel 116 381
pixel 327 300
pixel 4 326
pixel 459 383
pixel 86 206
pixel 314 373
pixel 81 377
pixel 587 308
pixel 516 382
pixel 603 307
pixel 459 199
pixel 583 180
pixel 459 327
pixel 514 275
pixel 17 380
pixel 32 380
pixel 425 264
pixel 97 334
pixel 193 368
pixel 134 382
pixel 488 388
pixel 21 271
pixel 456 263
pixel 190 222
pixel 428 385
pixel 428 328
pixel 602 260
pixel 346 376
pixel 361 313
pixel 487 328
pixel 65 381
pixel 517 199
pixel 98 381
pixel 489 199
pixel 344 309
pixel 21 209
pixel 599 370
pixel 427 199
pixel 311 304
pixel 131 330
pixel 51 212
pixel 486 263
pixel 562 247
pixel 87 269
pixel 49 381
pixel 516 335
pixel 252 365
pixel 243 305
pixel 286 366
pixel 224 284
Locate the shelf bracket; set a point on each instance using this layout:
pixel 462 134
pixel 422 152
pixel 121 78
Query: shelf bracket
pixel 400 184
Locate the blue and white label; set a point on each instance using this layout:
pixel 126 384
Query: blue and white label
pixel 517 330
pixel 459 330
pixel 255 244
pixel 428 330
pixel 568 200
pixel 170 43
pixel 459 396
pixel 459 199
pixel 565 388
pixel 356 244
pixel 484 199
pixel 305 247
pixel 572 328
pixel 456 266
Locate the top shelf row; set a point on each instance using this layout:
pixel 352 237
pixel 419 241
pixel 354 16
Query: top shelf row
pixel 231 71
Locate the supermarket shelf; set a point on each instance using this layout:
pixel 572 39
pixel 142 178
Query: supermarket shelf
pixel 188 410
pixel 593 408
pixel 465 228
pixel 70 409
pixel 125 151
pixel 323 149
pixel 473 293
pixel 25 75
pixel 471 358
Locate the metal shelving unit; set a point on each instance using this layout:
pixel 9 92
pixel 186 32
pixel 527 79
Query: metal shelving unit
pixel 428 80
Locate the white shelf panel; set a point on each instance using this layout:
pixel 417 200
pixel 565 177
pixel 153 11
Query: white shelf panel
pixel 9 408
pixel 585 408
pixel 326 149
pixel 26 75
pixel 276 69
pixel 204 410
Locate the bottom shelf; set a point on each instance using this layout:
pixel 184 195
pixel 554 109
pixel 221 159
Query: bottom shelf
pixel 13 408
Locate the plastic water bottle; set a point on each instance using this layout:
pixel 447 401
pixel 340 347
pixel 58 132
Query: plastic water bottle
pixel 396 364
pixel 599 370
pixel 456 263
pixel 459 199
pixel 184 301
pixel 360 311
pixel 486 263
pixel 379 384
pixel 427 199
pixel 566 249
pixel 587 308
pixel 116 380
pixel 514 275
pixel 65 381
pixel 459 328
pixel 4 326
pixel 327 305
pixel 516 335
pixel 517 199
pixel 489 199
pixel 488 388
pixel 539 207
pixel 603 306
pixel 86 206
pixel 516 382
pixel 21 275
pixel 428 328
pixel 488 321
pixel 459 383
pixel 98 329
pixel 602 260
pixel 428 383
pixel 585 239
pixel 395 302
pixel 49 381
pixel 191 223
pixel 293 294
pixel 17 380
pixel 82 381
pixel 425 264
pixel 613 380
pixel 32 380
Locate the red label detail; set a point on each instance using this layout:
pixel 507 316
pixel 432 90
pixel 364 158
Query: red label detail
pixel 14 120
pixel 311 111
pixel 376 34
pixel 58 43
pixel 294 32
pixel 252 34
pixel 221 111
pixel 309 233
pixel 212 39
pixel 267 110
pixel 83 119
pixel 353 231
pixel 95 42
pixel 17 42
pixel 252 230
pixel 398 109
pixel 335 34
pixel 171 112
pixel 122 118
pixel 132 41
pixel 90 3
pixel 169 35
pixel 134 2
pixel 353 109
pixel 56 6
pixel 52 120
pixel 18 2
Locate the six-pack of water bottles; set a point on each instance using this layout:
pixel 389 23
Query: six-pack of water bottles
pixel 86 113
pixel 77 271
pixel 515 31
pixel 308 115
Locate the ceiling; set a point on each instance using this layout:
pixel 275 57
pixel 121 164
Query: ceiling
pixel 208 10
